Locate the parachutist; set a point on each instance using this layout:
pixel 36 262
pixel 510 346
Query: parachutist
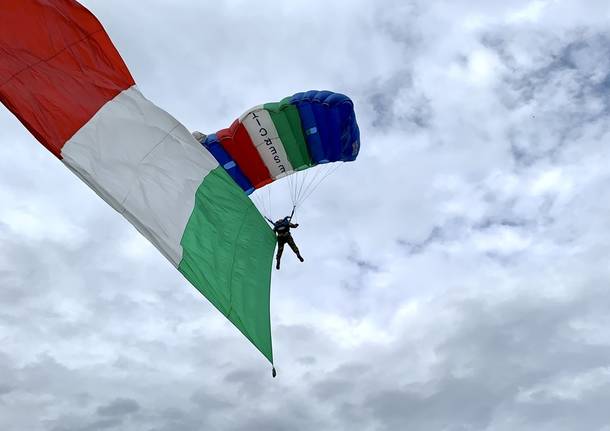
pixel 282 230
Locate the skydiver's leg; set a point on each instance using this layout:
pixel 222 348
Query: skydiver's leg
pixel 280 250
pixel 294 248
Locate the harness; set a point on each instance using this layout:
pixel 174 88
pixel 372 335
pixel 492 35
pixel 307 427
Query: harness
pixel 282 228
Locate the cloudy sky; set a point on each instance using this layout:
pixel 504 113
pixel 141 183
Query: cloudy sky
pixel 456 275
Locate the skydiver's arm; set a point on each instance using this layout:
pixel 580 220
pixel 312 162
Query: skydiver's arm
pixel 294 225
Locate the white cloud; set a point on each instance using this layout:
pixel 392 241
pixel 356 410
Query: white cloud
pixel 532 12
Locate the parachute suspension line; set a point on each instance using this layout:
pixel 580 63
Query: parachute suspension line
pixel 301 185
pixel 308 186
pixel 298 194
pixel 269 200
pixel 295 183
pixel 300 180
pixel 266 204
pixel 304 184
pixel 260 203
pixel 262 200
pixel 292 183
pixel 327 174
pixel 256 201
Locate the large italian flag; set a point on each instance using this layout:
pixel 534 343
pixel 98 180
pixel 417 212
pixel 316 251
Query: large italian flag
pixel 64 80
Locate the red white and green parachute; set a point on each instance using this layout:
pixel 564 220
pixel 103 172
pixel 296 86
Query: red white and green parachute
pixel 274 140
pixel 64 80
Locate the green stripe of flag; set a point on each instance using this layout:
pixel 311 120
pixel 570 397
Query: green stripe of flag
pixel 227 255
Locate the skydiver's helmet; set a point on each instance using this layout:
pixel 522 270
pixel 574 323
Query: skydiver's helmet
pixel 283 221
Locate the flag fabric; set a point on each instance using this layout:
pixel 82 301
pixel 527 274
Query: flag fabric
pixel 62 77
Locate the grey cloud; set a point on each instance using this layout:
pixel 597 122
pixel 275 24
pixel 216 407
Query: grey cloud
pixel 74 424
pixel 5 389
pixel 118 407
pixel 330 389
pixel 565 71
pixel 210 401
pixel 250 382
pixel 436 234
pixel 399 105
pixel 306 360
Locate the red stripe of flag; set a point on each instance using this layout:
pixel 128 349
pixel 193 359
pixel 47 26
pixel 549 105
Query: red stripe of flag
pixel 58 67
pixel 236 141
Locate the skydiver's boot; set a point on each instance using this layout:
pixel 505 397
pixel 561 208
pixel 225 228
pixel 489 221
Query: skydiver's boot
pixel 278 255
pixel 300 257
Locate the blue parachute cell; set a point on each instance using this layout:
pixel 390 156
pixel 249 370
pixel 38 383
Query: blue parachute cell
pixel 330 126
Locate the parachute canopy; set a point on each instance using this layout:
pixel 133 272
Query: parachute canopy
pixel 274 140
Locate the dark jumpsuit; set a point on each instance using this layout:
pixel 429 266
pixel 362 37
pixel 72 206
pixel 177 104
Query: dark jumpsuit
pixel 282 230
